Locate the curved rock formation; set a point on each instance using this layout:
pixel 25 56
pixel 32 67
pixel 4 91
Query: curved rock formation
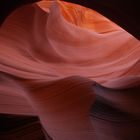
pixel 59 60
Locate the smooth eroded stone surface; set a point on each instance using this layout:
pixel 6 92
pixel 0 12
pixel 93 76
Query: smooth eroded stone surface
pixel 52 57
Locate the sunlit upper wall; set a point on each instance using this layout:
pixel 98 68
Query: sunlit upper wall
pixel 82 16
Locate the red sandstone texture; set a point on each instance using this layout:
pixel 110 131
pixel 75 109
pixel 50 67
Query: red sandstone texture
pixel 73 68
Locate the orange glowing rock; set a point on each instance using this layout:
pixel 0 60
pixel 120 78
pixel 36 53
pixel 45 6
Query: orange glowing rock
pixel 56 52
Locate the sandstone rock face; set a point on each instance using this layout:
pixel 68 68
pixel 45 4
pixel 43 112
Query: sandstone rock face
pixel 74 69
